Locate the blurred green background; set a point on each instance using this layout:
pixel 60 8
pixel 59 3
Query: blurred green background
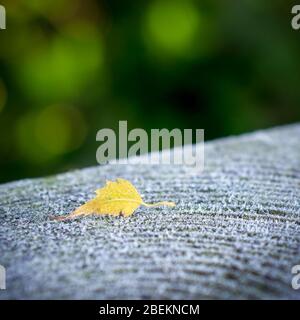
pixel 71 67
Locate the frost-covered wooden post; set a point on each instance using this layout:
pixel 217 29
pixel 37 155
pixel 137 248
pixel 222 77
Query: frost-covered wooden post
pixel 238 222
pixel 2 17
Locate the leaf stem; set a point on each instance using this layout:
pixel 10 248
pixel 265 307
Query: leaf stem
pixel 162 203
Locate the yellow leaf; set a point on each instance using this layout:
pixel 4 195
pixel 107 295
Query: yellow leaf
pixel 115 198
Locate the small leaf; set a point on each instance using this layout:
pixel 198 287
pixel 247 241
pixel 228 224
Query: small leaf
pixel 115 198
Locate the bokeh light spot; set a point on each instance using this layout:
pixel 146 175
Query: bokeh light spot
pixel 59 129
pixel 63 68
pixel 51 133
pixel 172 26
pixel 27 146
